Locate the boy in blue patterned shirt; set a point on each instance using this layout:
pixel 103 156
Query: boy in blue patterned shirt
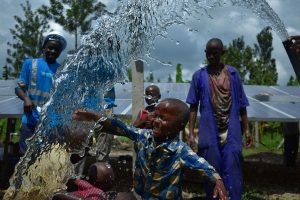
pixel 161 156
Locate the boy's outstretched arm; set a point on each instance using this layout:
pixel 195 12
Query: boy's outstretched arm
pixel 83 115
pixel 108 125
pixel 192 161
pixel 220 191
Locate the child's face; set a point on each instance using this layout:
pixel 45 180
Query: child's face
pixel 152 95
pixel 213 53
pixel 51 51
pixel 164 121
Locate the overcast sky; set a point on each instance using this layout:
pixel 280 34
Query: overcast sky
pixel 183 45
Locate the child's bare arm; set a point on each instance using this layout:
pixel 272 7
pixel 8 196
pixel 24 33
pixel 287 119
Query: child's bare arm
pixel 82 115
pixel 220 191
pixel 196 163
pixel 108 125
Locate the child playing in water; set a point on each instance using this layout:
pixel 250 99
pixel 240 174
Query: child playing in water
pixel 101 177
pixel 152 96
pixel 161 156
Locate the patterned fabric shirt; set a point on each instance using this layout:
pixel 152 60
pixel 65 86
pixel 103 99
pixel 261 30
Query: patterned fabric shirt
pixel 159 168
pixel 221 100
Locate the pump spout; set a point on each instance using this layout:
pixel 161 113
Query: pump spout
pixel 292 47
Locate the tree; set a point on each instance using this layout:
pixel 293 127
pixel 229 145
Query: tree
pixel 170 79
pixel 239 55
pixel 293 81
pixel 263 71
pixel 178 74
pixel 6 73
pixel 150 77
pixel 74 15
pixel 27 39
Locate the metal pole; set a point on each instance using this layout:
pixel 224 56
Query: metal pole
pixel 137 88
pixel 256 134
pixel 137 96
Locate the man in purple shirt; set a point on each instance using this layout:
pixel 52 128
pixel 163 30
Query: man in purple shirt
pixel 219 90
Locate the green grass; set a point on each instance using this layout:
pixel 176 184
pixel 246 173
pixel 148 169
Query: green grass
pixel 3 125
pixel 253 194
pixel 260 149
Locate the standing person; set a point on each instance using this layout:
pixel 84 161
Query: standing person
pixel 162 157
pixel 152 96
pixel 219 90
pixel 35 83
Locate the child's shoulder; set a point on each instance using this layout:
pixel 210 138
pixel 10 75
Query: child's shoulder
pixel 186 149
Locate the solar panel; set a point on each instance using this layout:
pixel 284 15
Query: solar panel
pixel 267 103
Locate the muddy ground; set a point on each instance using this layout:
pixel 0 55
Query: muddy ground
pixel 265 177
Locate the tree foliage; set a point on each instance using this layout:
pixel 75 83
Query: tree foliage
pixel 129 74
pixel 27 39
pixel 263 71
pixel 178 74
pixel 74 15
pixel 6 72
pixel 239 55
pixel 150 77
pixel 293 81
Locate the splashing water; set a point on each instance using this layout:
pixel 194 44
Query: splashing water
pixel 116 40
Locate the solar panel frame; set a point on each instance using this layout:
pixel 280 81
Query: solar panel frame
pixel 283 101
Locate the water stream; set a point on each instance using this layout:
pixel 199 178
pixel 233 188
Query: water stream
pixel 116 40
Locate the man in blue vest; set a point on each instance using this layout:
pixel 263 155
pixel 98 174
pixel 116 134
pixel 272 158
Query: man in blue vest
pixel 35 83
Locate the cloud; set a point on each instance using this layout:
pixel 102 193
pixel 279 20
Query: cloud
pixel 226 23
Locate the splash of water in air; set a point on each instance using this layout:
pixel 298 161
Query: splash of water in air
pixel 116 40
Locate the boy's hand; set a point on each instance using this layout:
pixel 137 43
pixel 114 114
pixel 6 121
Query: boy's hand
pixel 220 191
pixel 82 115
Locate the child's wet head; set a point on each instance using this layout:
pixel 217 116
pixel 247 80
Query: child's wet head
pixel 101 175
pixel 169 118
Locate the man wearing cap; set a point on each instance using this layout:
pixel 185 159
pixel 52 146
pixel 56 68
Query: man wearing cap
pixel 35 83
